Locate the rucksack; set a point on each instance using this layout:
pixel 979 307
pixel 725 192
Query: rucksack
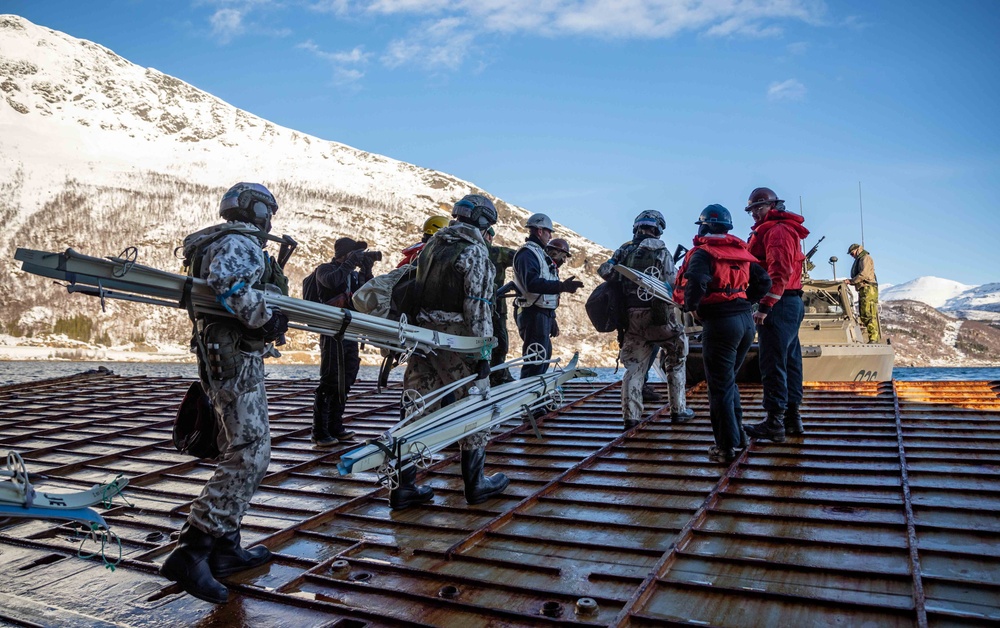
pixel 390 295
pixel 310 292
pixel 606 307
pixel 196 427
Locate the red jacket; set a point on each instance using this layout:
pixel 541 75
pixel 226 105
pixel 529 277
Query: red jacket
pixel 411 253
pixel 777 242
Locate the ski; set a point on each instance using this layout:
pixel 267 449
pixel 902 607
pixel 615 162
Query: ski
pixel 414 441
pixel 85 516
pixel 13 494
pixel 649 287
pixel 124 278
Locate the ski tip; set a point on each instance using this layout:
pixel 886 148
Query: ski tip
pixel 344 466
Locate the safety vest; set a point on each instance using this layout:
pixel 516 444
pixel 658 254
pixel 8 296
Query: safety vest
pixel 440 285
pixel 730 268
pixel 547 271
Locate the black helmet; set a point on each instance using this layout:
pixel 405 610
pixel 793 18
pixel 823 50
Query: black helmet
pixel 476 210
pixel 715 219
pixel 761 196
pixel 650 218
pixel 249 202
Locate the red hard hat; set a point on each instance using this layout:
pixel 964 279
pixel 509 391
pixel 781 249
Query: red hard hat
pixel 761 196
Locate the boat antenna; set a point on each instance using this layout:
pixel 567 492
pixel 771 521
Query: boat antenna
pixel 861 207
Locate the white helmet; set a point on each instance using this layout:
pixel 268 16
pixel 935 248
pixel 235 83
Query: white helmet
pixel 539 221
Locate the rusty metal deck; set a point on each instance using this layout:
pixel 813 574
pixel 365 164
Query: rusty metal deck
pixel 887 512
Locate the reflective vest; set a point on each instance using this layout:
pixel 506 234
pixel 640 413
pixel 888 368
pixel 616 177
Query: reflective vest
pixel 547 271
pixel 730 269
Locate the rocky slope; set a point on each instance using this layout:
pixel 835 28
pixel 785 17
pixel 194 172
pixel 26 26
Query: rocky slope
pixel 924 336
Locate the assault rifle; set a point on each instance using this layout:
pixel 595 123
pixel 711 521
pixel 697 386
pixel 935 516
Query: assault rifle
pixel 807 263
pixel 508 291
pixel 288 245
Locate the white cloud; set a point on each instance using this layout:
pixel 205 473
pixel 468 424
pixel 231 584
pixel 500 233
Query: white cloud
pixel 344 63
pixel 226 24
pixel 444 43
pixel 789 90
pixel 798 48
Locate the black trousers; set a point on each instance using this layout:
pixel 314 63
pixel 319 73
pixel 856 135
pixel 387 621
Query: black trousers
pixel 781 353
pixel 725 342
pixel 535 326
pixel 329 370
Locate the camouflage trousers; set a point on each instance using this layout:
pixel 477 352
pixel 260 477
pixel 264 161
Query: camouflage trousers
pixel 245 443
pixel 868 311
pixel 637 347
pixel 425 374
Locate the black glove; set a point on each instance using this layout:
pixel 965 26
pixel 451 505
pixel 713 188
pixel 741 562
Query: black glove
pixel 554 332
pixel 275 327
pixel 354 259
pixel 570 285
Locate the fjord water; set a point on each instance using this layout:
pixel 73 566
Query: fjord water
pixel 16 372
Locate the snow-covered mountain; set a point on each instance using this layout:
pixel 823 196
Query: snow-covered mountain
pixel 980 303
pixel 97 153
pixel 933 291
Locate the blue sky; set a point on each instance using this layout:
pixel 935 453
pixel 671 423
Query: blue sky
pixel 593 110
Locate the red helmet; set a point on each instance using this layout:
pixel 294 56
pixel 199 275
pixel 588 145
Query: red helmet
pixel 559 244
pixel 762 196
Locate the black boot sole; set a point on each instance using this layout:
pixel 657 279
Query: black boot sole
pixel 198 593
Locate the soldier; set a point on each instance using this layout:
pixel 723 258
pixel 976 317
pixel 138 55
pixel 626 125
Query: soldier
pixel 455 283
pixel 231 259
pixel 651 323
pixel 864 280
pixel 776 241
pixel 335 282
pixel 502 258
pixel 718 281
pixel 537 278
pixel 431 226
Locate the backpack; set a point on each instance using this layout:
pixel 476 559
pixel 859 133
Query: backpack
pixel 310 292
pixel 390 295
pixel 606 307
pixel 196 427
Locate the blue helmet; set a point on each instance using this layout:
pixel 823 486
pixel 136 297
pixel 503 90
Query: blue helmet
pixel 476 210
pixel 650 218
pixel 715 219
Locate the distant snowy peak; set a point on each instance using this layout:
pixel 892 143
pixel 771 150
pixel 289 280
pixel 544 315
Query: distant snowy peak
pixel 933 291
pixel 979 303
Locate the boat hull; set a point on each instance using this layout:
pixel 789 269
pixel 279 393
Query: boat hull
pixel 851 362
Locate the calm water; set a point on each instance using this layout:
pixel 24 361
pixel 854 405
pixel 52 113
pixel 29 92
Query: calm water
pixel 27 371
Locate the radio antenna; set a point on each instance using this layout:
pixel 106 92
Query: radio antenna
pixel 861 207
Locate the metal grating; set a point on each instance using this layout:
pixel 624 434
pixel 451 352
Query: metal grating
pixel 885 512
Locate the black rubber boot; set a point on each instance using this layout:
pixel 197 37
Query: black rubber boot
pixel 793 420
pixel 409 494
pixel 321 436
pixel 771 428
pixel 188 566
pixel 682 416
pixel 336 423
pixel 478 487
pixel 228 557
pixel 649 395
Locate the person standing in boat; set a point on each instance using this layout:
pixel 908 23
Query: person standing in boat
pixel 455 284
pixel 776 241
pixel 334 283
pixel 502 258
pixel 412 252
pixel 653 323
pixel 231 350
pixel 537 278
pixel 717 281
pixel 864 281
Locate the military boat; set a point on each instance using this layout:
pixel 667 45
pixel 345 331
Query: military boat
pixel 835 346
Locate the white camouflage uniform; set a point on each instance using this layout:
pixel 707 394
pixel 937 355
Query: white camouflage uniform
pixel 427 374
pixel 240 402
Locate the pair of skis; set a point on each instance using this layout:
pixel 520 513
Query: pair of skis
pixel 125 279
pixel 415 439
pixel 650 284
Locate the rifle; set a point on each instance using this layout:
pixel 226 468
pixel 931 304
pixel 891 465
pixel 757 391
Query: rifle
pixel 807 263
pixel 505 291
pixel 679 252
pixel 815 248
pixel 288 245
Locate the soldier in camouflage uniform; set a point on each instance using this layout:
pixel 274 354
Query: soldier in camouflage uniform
pixel 502 258
pixel 864 280
pixel 231 259
pixel 651 323
pixel 455 280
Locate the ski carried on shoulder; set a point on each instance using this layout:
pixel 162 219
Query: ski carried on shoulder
pixel 415 439
pixel 125 279
pixel 649 287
